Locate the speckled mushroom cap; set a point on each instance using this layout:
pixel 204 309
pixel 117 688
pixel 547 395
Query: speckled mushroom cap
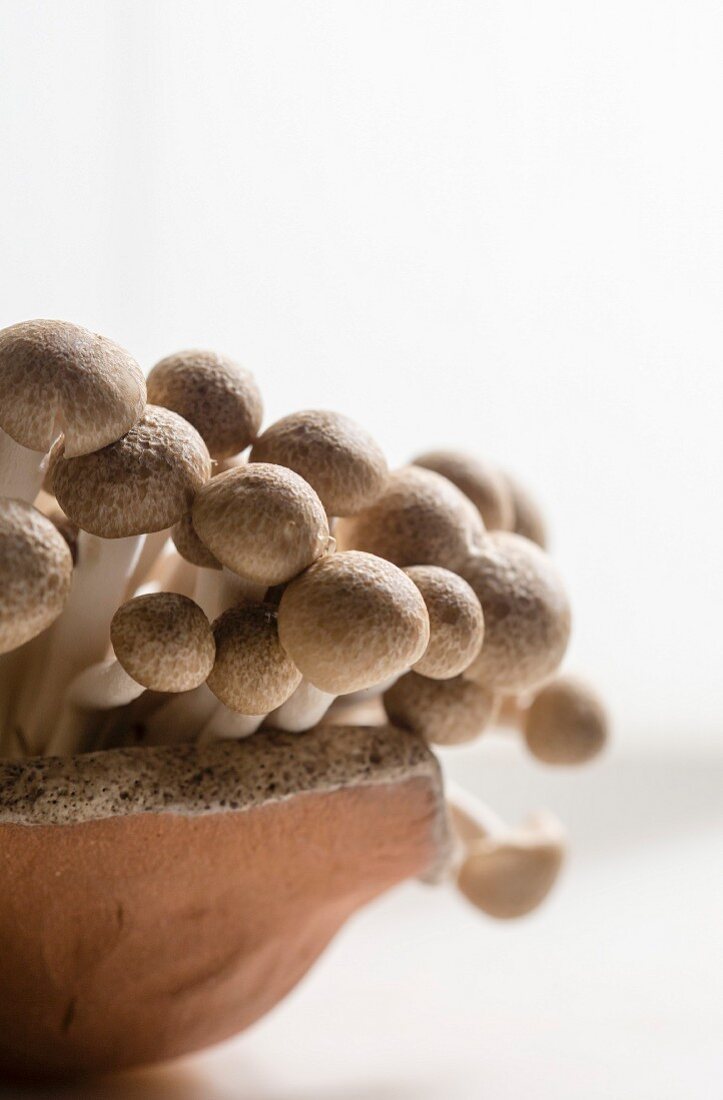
pixel 190 547
pixel 144 482
pixel 252 673
pixel 527 517
pixel 566 723
pixel 36 567
pixel 263 522
pixel 510 876
pixel 456 622
pixel 212 392
pixel 337 457
pixel 485 485
pixel 526 610
pixel 420 518
pixel 351 621
pixel 52 369
pixel 163 641
pixel 443 712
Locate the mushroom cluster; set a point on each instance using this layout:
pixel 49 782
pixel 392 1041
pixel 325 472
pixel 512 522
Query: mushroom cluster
pixel 170 572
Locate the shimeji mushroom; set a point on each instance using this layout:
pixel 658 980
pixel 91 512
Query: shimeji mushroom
pixel 36 567
pixel 509 874
pixel 527 517
pixel 56 377
pixel 351 620
pixel 482 482
pixel 263 522
pixel 252 673
pixel 420 518
pixel 566 723
pixel 443 712
pixel 212 392
pixel 337 457
pixel 526 611
pixel 144 482
pixel 456 622
pixel 162 642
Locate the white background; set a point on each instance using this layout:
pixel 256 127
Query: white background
pixel 494 224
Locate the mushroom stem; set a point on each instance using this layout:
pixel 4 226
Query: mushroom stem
pixel 218 590
pixel 226 724
pixel 149 556
pixel 175 574
pixel 181 718
pixel 302 710
pixel 100 687
pixel 472 819
pixel 81 635
pixel 21 470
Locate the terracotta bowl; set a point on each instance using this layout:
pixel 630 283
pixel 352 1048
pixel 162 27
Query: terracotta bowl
pixel 156 900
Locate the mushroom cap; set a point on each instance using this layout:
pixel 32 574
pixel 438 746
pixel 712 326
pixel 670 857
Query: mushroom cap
pixel 351 621
pixel 566 723
pixel 144 482
pixel 212 392
pixel 252 673
pixel 261 521
pixel 52 369
pixel 420 518
pixel 338 458
pixel 510 876
pixel 189 545
pixel 526 611
pixel 163 641
pixel 527 517
pixel 36 567
pixel 443 712
pixel 482 482
pixel 456 622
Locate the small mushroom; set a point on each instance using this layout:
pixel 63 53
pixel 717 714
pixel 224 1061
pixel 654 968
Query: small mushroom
pixel 566 723
pixel 351 620
pixel 57 377
pixel 527 517
pixel 526 612
pixel 252 673
pixel 482 482
pixel 456 622
pixel 162 642
pixel 420 518
pixel 190 546
pixel 263 522
pixel 36 567
pixel 508 876
pixel 212 392
pixel 443 712
pixel 337 457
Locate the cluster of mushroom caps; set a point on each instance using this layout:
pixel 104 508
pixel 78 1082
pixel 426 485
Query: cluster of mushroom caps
pixel 162 582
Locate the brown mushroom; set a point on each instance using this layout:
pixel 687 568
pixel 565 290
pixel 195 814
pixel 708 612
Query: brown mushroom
pixel 528 520
pixel 456 622
pixel 566 723
pixel 252 673
pixel 443 712
pixel 482 482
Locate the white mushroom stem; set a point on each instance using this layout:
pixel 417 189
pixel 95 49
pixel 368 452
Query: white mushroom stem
pixel 175 574
pixel 80 637
pixel 21 470
pixel 471 818
pixel 150 555
pixel 217 590
pixel 226 725
pixel 354 697
pixel 181 718
pixel 302 710
pixel 100 687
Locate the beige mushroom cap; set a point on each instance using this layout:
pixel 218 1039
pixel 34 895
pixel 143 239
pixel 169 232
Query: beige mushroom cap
pixel 163 641
pixel 420 518
pixel 456 622
pixel 482 482
pixel 337 457
pixel 252 674
pixel 443 712
pixel 263 522
pixel 212 392
pixel 36 567
pixel 527 517
pixel 351 621
pixel 526 610
pixel 566 723
pixel 54 370
pixel 144 482
pixel 189 545
pixel 509 876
